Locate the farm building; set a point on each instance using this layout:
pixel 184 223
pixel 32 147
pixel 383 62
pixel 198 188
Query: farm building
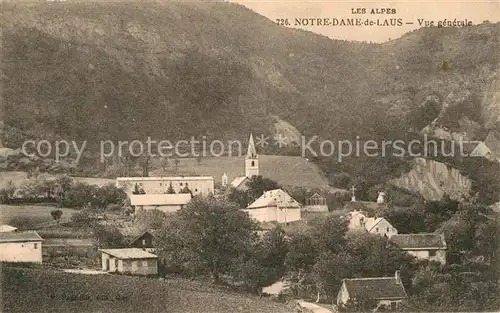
pixel 424 246
pixel 383 291
pixel 21 246
pixel 163 202
pixel 198 185
pixel 129 260
pixel 275 205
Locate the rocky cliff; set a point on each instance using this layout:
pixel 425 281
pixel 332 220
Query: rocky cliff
pixel 433 179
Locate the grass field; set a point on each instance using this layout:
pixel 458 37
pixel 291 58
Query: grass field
pixel 18 178
pixel 286 170
pixel 37 213
pixel 46 290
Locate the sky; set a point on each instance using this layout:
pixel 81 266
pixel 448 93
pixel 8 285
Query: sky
pixel 407 11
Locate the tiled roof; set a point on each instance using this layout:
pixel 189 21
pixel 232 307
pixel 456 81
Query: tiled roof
pixel 492 141
pixel 375 288
pixel 129 253
pixel 160 199
pixel 20 236
pixel 238 181
pixel 274 197
pixel 419 241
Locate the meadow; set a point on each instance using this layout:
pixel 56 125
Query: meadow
pixel 37 213
pixel 47 290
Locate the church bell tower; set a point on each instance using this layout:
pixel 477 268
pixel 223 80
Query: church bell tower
pixel 252 159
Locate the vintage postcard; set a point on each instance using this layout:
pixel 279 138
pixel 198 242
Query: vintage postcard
pixel 247 156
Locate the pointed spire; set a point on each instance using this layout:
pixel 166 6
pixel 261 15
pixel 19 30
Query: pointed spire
pixel 251 152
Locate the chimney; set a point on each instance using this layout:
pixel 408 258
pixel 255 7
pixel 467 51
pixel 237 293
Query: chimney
pixel 397 275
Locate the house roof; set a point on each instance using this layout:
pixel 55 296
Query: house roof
pixel 317 196
pixel 160 199
pixel 20 236
pixel 238 181
pixel 129 253
pixel 419 241
pixel 275 197
pixel 7 228
pixel 139 236
pixel 492 141
pixel 375 288
pixel 371 222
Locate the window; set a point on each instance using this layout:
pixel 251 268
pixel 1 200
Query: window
pixel 35 245
pixel 143 242
pixel 140 184
pixel 376 229
pixel 180 184
pixel 145 263
pixel 387 229
pixel 134 264
pixel 432 253
pixel 161 184
pixel 196 189
pixel 253 163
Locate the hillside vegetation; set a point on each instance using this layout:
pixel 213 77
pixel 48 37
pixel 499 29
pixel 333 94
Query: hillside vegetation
pixel 113 70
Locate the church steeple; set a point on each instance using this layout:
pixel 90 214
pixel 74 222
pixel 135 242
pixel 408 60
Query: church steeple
pixel 252 159
pixel 251 152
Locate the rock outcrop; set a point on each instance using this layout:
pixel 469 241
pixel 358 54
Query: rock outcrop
pixel 433 179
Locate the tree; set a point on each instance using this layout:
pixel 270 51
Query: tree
pixel 170 189
pixel 108 194
pixel 7 193
pixel 150 219
pixel 336 229
pixel 301 253
pixel 56 215
pixel 108 237
pixel 208 236
pixel 186 190
pixel 257 185
pixel 239 197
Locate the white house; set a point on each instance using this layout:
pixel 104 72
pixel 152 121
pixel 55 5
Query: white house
pixel 21 246
pixel 424 246
pixel 379 225
pixel 163 202
pixel 129 260
pixel 383 291
pixel 275 205
pixel 198 185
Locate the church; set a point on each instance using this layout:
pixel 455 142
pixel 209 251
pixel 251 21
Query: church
pixel 251 168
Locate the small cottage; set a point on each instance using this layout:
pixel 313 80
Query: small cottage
pixel 380 226
pixel 316 203
pixel 133 261
pixel 382 291
pixel 424 246
pixel 21 246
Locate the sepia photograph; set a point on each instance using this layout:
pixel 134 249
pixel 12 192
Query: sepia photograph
pixel 249 156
